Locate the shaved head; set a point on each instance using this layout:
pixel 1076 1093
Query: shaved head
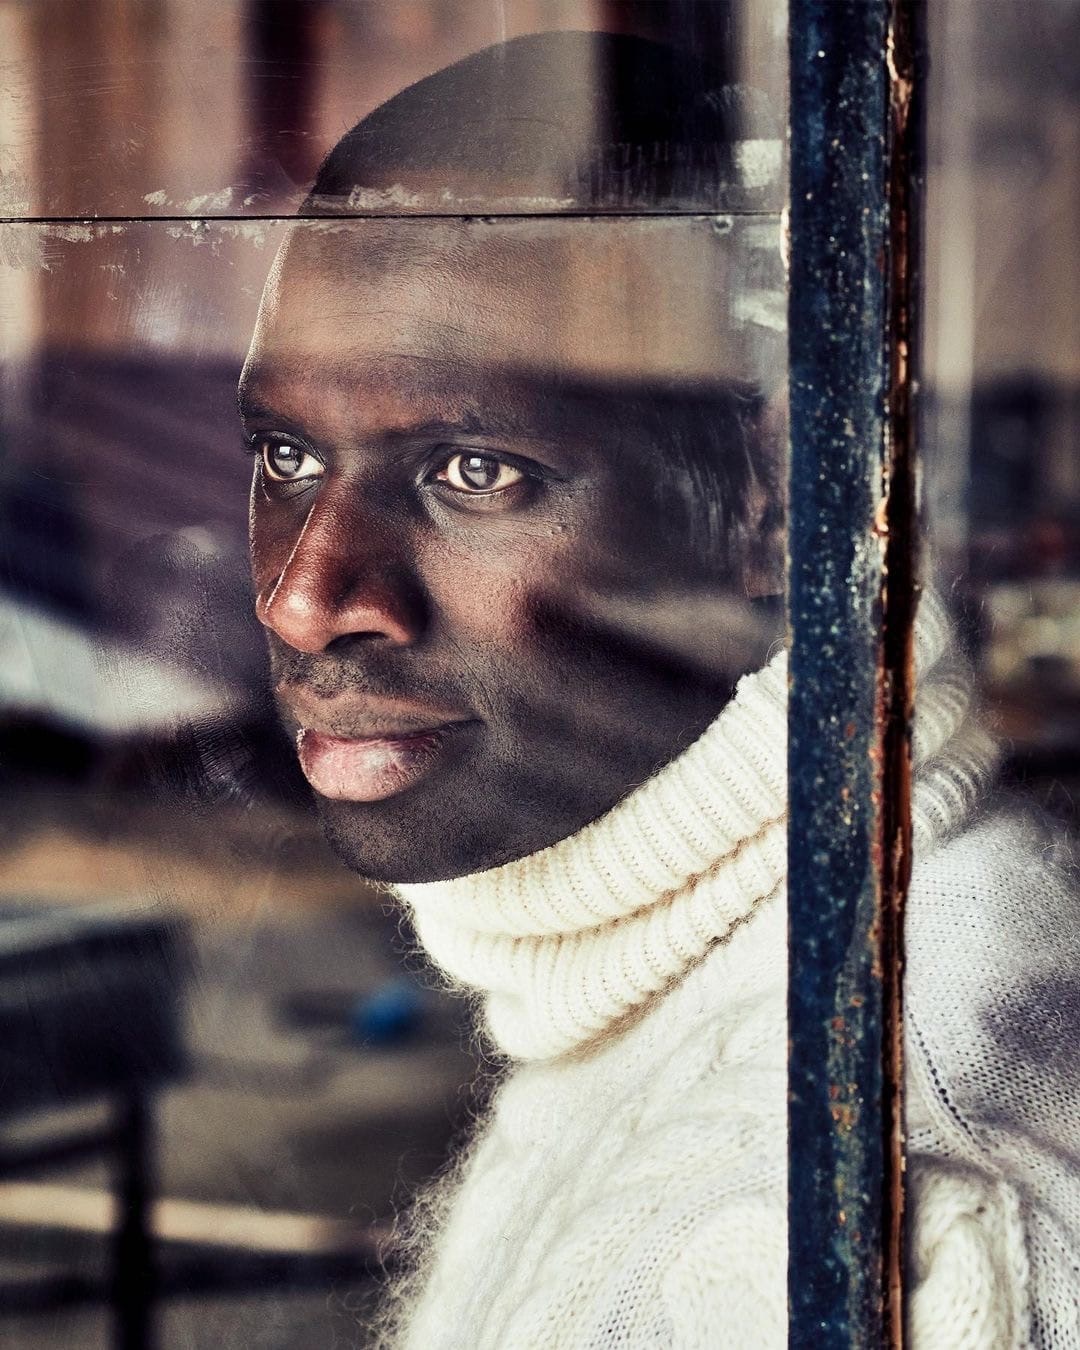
pixel 565 120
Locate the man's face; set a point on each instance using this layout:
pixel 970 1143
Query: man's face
pixel 454 490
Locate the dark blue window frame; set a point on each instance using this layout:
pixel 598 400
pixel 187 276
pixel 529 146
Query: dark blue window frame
pixel 855 163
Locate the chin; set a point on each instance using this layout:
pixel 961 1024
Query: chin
pixel 418 847
pixel 450 827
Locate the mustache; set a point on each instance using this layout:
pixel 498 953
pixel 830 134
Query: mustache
pixel 375 674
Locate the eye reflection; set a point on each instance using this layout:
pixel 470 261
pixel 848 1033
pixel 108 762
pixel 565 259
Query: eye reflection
pixel 472 472
pixel 284 462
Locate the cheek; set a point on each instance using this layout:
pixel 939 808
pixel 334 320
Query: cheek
pixel 266 564
pixel 483 605
pixel 491 597
pixel 259 536
pixel 272 535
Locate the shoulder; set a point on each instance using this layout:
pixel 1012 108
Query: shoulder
pixel 992 995
pixel 1002 895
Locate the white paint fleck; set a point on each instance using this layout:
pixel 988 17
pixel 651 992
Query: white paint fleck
pixel 514 205
pixel 157 198
pixel 74 234
pixel 758 161
pixel 767 309
pixel 209 201
pixel 379 199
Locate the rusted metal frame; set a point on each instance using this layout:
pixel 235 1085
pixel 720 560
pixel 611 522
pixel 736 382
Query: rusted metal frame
pixel 855 150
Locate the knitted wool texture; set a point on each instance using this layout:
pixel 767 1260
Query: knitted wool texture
pixel 628 1187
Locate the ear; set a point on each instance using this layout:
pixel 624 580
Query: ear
pixel 766 516
pixel 766 582
pixel 763 557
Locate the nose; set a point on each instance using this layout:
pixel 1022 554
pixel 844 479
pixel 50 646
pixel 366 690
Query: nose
pixel 344 578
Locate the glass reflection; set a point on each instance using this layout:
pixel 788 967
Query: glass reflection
pixel 515 522
pixel 1000 1022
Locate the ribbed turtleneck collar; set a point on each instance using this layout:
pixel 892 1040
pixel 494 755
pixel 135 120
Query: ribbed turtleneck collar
pixel 563 944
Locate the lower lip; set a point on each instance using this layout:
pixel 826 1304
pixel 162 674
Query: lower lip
pixel 373 768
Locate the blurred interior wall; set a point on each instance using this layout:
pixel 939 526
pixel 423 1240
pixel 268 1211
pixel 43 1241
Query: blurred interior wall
pixel 1003 218
pixel 179 108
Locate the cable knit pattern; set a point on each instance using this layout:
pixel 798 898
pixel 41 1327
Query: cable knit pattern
pixel 628 1187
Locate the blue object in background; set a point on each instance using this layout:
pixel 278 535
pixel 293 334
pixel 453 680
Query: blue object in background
pixel 391 1014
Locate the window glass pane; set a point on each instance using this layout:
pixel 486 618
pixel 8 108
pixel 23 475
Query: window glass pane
pixel 517 530
pixel 176 108
pixel 993 961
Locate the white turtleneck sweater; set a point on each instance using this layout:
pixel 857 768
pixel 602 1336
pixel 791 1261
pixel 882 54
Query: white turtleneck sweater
pixel 628 1185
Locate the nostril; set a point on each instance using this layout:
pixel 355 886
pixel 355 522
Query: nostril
pixel 343 641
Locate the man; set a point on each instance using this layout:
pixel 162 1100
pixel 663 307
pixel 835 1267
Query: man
pixel 493 461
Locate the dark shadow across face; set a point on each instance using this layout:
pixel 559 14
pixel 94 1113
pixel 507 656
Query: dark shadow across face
pixel 478 448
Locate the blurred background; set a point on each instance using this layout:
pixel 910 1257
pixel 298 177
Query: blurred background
pixel 265 1057
pixel 1001 385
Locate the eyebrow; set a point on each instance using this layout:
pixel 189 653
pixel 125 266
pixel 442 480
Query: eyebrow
pixel 500 421
pixel 494 401
pixel 430 376
pixel 480 400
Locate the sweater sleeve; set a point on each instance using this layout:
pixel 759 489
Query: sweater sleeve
pixel 992 1022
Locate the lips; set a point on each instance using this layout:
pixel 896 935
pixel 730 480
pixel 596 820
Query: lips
pixel 371 768
pixel 365 748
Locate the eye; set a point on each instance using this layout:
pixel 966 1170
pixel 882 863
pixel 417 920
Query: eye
pixel 475 473
pixel 284 462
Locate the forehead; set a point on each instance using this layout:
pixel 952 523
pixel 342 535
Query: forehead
pixel 582 299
